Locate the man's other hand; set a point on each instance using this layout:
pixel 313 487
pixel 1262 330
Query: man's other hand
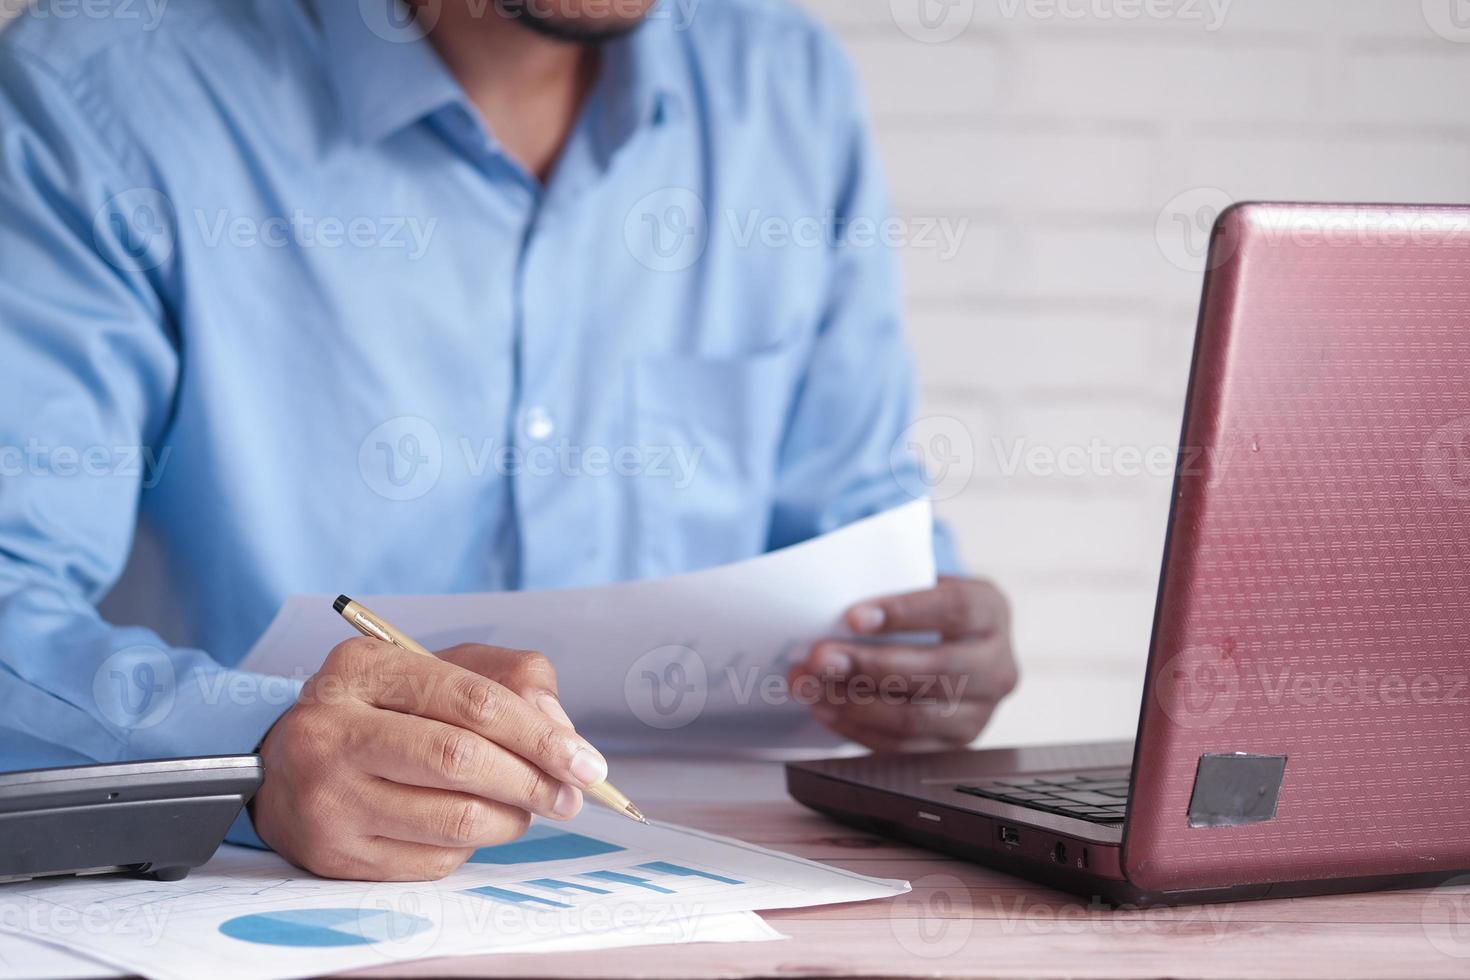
pixel 395 767
pixel 895 696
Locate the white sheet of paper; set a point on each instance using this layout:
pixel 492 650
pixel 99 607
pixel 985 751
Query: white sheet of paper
pixel 21 956
pixel 600 882
pixel 705 654
pixel 24 957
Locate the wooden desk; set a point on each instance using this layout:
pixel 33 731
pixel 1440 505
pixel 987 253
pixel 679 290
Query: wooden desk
pixel 964 921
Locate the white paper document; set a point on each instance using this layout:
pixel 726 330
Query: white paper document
pixel 705 653
pixel 601 881
pixel 32 959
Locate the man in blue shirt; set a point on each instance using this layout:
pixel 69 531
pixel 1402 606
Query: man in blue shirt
pixel 304 295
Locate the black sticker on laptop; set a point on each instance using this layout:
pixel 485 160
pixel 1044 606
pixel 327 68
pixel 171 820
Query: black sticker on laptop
pixel 1236 790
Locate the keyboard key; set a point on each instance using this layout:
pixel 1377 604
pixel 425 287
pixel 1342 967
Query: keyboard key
pixel 1097 797
pixel 1112 776
pixel 1082 796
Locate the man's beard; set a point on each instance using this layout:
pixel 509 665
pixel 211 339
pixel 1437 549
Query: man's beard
pixel 582 30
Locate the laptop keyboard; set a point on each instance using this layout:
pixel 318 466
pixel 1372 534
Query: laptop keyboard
pixel 1100 796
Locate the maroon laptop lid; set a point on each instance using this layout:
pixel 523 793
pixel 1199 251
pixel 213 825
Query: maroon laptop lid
pixel 1307 712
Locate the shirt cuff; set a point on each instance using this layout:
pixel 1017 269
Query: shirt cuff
pixel 252 730
pixel 254 704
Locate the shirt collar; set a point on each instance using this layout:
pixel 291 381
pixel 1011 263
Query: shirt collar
pixel 387 75
pixel 639 79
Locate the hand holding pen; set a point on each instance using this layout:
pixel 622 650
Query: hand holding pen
pixel 395 767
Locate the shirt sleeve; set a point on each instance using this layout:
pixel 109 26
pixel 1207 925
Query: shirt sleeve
pixel 88 366
pixel 845 454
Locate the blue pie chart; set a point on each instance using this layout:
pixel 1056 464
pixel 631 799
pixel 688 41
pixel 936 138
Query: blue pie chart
pixel 324 927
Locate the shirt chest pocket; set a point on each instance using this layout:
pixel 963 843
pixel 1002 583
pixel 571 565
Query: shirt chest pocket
pixel 718 424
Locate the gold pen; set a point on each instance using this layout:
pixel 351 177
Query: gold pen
pixel 376 627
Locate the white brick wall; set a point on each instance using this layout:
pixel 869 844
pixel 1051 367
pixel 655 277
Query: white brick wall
pixel 1063 130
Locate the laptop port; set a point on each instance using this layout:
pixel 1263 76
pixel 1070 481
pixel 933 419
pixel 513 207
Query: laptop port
pixel 1010 836
pixel 1059 853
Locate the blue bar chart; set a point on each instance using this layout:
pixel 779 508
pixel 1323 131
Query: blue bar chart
pixel 679 871
pixel 322 928
pixel 652 878
pixel 543 843
pixel 622 878
pixel 515 897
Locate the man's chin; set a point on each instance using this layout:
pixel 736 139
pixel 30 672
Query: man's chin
pixel 571 30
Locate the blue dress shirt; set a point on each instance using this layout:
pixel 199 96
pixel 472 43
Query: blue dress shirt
pixel 278 314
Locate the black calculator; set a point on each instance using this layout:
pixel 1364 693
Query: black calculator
pixel 159 819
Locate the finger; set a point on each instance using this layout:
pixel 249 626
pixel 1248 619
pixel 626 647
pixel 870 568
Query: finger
pixel 432 688
pixel 881 743
pixel 956 608
pixel 980 670
pixel 907 722
pixel 424 753
pixel 898 666
pixel 438 818
pixel 525 672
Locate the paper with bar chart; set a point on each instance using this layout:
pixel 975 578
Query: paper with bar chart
pixel 598 882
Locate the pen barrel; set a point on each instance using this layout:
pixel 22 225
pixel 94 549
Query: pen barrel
pixel 609 796
pixel 407 642
pixel 370 625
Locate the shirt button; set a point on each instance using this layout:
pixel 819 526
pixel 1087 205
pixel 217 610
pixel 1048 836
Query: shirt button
pixel 539 424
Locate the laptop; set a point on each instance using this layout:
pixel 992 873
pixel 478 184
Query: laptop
pixel 1305 725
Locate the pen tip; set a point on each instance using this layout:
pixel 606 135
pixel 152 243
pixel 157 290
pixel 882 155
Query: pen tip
pixel 636 814
pixel 341 603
